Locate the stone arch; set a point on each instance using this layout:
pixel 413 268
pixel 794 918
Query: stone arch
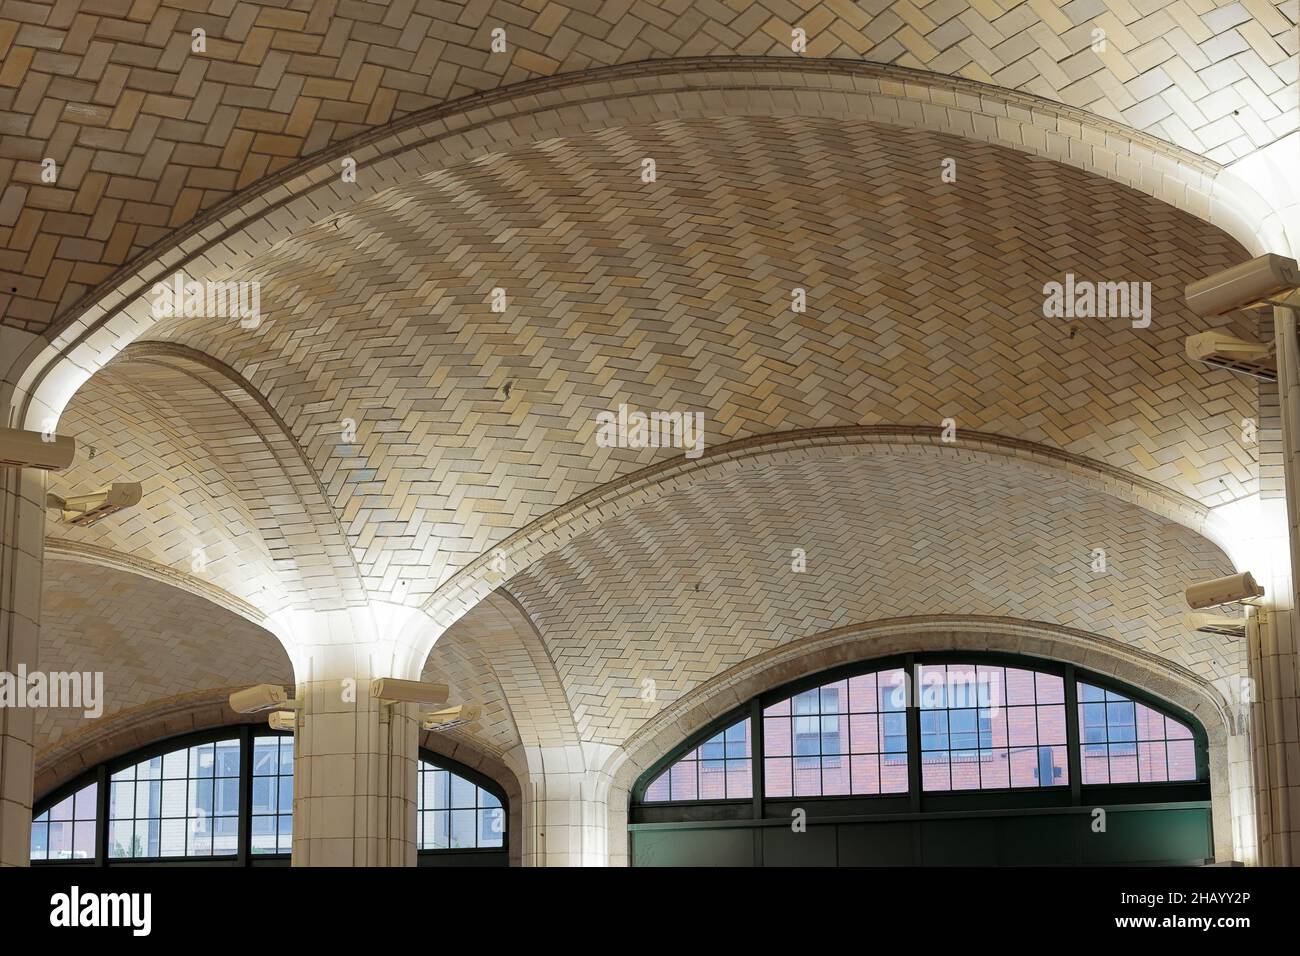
pixel 253 502
pixel 1233 808
pixel 462 591
pixel 50 370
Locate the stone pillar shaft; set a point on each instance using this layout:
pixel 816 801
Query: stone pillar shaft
pixel 22 530
pixel 1274 660
pixel 566 813
pixel 354 778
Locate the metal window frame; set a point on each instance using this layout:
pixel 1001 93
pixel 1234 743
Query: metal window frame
pixel 916 801
pixel 103 773
pixel 243 857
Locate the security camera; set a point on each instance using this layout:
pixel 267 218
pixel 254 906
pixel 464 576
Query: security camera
pixel 1229 590
pixel 1216 624
pixel 20 448
pixel 450 717
pixel 286 720
pixel 1252 284
pixel 398 691
pixel 1220 350
pixel 254 700
pixel 85 510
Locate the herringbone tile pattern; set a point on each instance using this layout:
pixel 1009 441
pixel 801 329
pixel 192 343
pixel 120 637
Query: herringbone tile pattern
pixel 150 641
pixel 226 498
pixel 678 591
pixel 148 134
pixel 925 303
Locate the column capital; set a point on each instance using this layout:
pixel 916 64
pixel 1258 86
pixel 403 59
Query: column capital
pixel 373 640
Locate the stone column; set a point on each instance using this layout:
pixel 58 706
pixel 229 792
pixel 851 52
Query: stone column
pixel 566 812
pixel 355 757
pixel 1273 656
pixel 22 531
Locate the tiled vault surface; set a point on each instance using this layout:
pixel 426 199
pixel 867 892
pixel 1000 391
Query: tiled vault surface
pixel 147 134
pixel 679 591
pixel 151 642
pixel 156 644
pixel 925 302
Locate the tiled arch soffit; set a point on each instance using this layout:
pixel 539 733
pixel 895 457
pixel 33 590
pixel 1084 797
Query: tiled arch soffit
pixel 43 378
pixel 866 641
pixel 221 473
pixel 474 583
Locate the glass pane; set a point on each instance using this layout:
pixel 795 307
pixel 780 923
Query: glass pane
pixel 740 779
pixel 439 790
pixel 120 839
pixel 713 780
pixel 263 838
pixel 173 767
pixel 491 827
pixel 173 838
pixel 84 804
pixel 807 776
pixel 778 777
pixel 657 791
pixel 1182 760
pixel 225 841
pixel 437 835
pixel 266 756
pixel 684 781
pixel 62 810
pixel 203 760
pixel 462 793
pixel 226 797
pixel 264 795
pixel 40 840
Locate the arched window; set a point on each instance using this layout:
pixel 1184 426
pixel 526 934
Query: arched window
pixel 226 797
pixel 924 758
pixel 456 814
pixel 182 803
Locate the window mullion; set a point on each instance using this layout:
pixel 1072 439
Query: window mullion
pixel 1073 738
pixel 913 734
pixel 102 804
pixel 756 755
pixel 242 854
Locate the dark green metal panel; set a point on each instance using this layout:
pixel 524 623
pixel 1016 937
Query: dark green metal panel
pixel 959 843
pixel 875 844
pixel 693 847
pixel 784 847
pixel 1146 836
pixel 1037 841
pixel 1170 835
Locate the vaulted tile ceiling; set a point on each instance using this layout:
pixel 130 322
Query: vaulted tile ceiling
pixel 147 134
